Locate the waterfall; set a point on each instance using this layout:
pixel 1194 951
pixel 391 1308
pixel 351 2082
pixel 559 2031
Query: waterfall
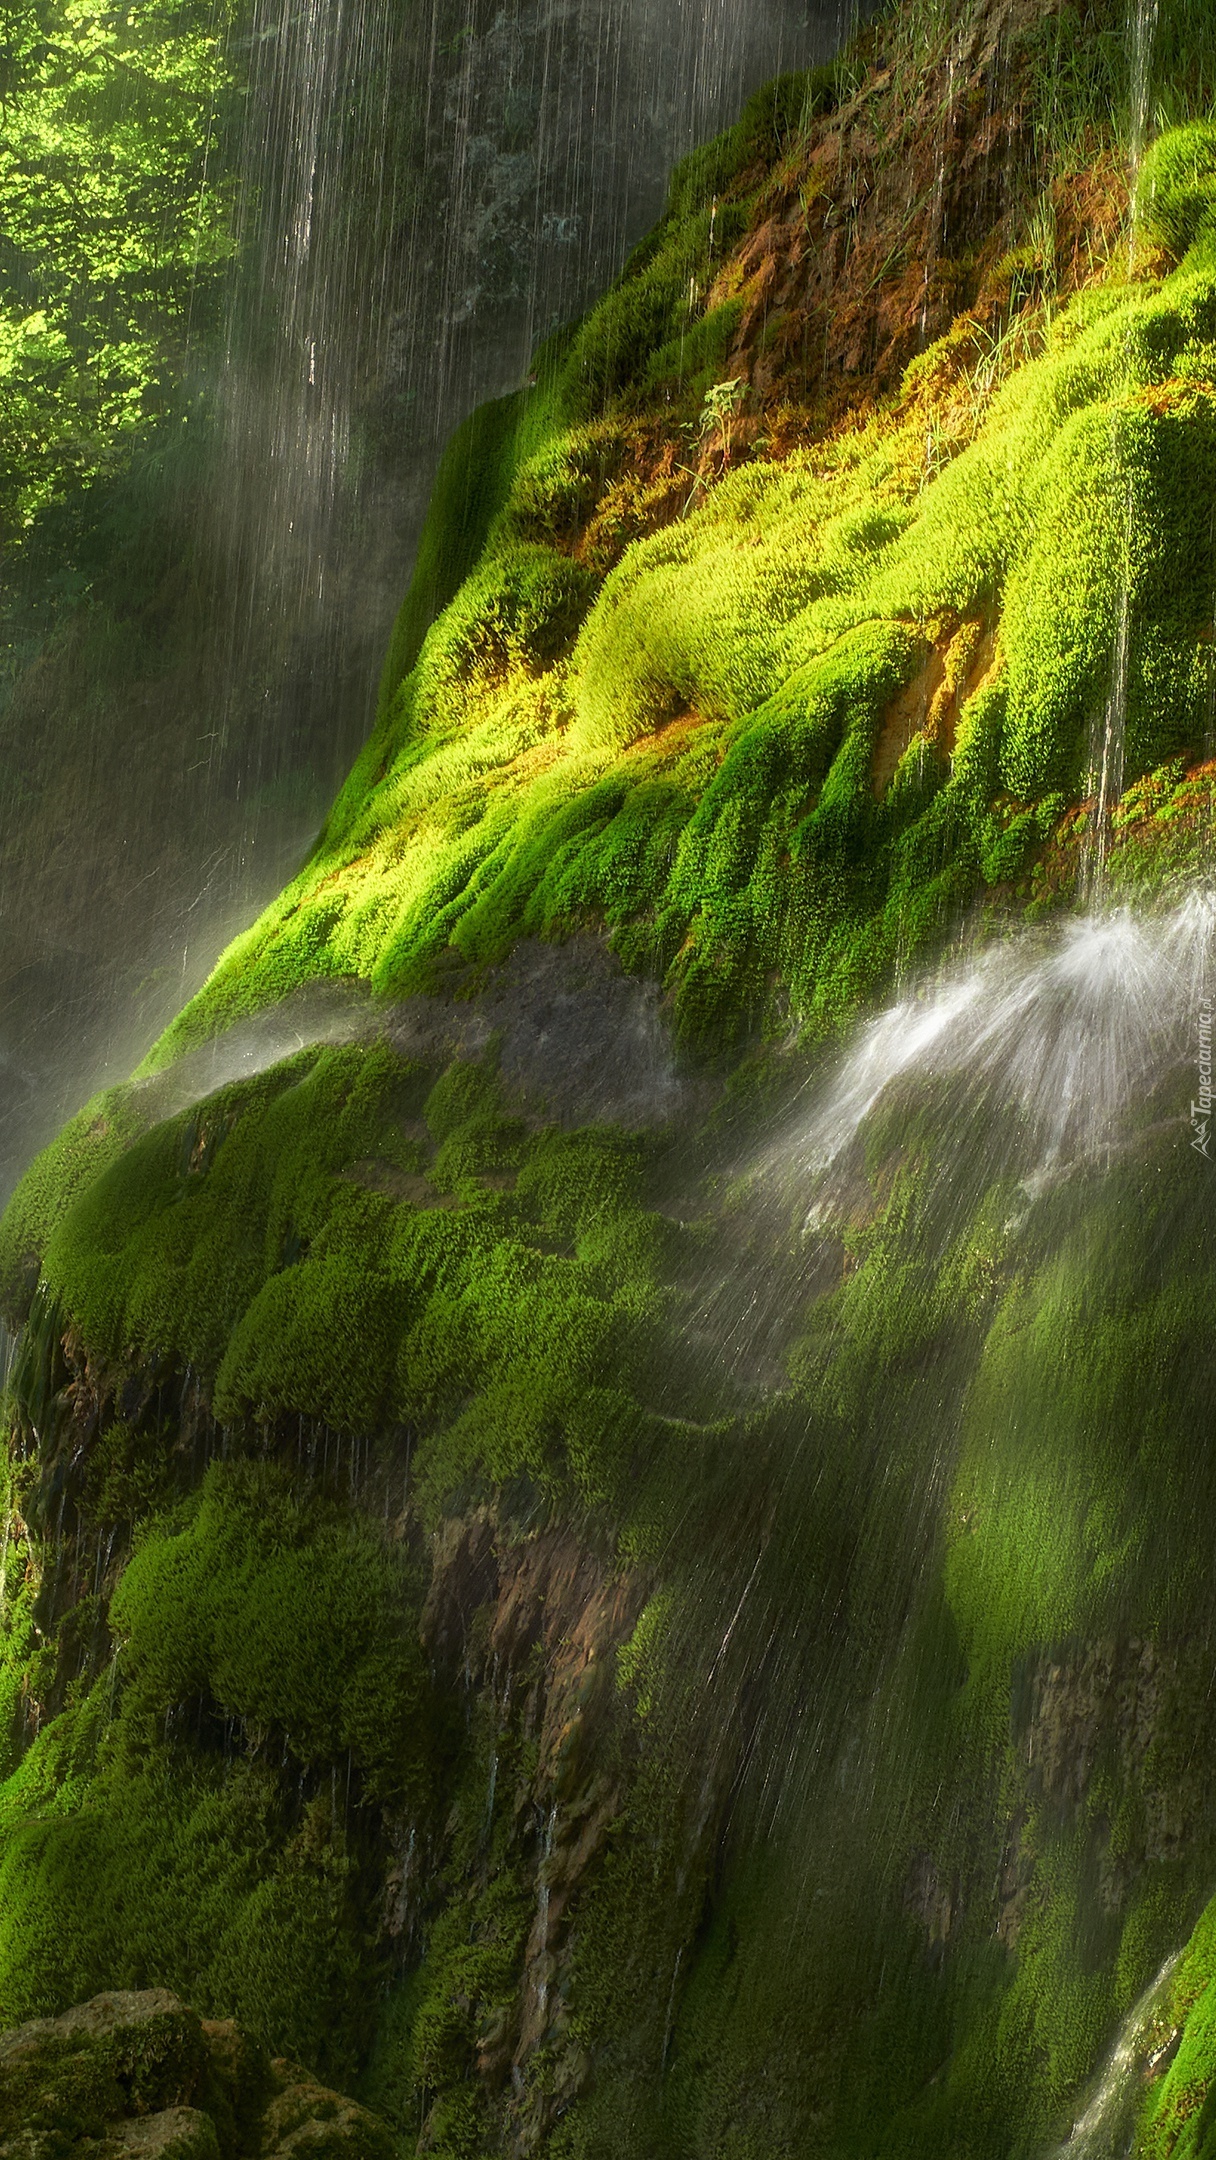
pixel 414 197
pixel 1142 33
pixel 420 202
pixel 1104 2129
pixel 1058 1042
pixel 720 1514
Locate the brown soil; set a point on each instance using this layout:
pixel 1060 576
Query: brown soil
pixel 904 215
pixel 928 709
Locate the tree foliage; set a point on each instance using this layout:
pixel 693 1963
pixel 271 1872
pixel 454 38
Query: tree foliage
pixel 114 225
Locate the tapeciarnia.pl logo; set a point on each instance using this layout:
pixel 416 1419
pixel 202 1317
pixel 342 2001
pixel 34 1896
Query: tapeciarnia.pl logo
pixel 1201 1111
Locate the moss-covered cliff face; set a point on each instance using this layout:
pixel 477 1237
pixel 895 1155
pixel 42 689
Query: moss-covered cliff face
pixel 521 1588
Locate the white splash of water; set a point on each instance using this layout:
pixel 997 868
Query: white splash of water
pixel 1059 1040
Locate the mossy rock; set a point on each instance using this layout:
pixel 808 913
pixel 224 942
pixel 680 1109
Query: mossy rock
pixel 126 2053
pixel 1176 191
pixel 138 2076
pixel 778 728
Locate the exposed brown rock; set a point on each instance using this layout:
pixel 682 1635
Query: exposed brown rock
pixel 883 233
pixel 929 708
pixel 917 208
pixel 932 1898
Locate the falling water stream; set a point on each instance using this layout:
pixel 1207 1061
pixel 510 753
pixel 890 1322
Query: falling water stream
pixel 1108 732
pixel 419 203
pixel 1060 1042
pixel 1104 2129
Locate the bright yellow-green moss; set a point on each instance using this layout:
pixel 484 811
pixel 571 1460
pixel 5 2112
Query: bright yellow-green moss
pixel 1177 2115
pixel 691 754
pixel 1176 190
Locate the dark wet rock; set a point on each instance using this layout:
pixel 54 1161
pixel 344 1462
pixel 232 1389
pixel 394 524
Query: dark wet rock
pixel 540 1619
pixel 577 1039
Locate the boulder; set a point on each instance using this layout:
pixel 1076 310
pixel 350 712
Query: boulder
pixel 138 2076
pixel 177 2133
pixel 68 2078
pixel 306 2122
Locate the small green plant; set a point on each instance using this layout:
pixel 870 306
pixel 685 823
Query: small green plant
pixel 720 407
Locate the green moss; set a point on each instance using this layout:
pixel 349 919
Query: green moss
pixel 773 118
pixel 884 1489
pixel 19 1587
pixel 286 1616
pixel 143 1842
pixel 94 1138
pixel 1177 2114
pixel 470 487
pixel 527 776
pixel 472 1960
pixel 78 2083
pixel 1050 1538
pixel 1176 190
pixel 186 1877
pixel 344 1304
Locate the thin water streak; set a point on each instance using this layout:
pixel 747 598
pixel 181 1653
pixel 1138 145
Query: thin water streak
pixel 1108 732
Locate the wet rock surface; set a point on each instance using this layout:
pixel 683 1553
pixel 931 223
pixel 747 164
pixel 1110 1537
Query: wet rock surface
pixel 1103 1730
pixel 136 2075
pixel 576 1038
pixel 579 1039
pixel 534 1626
